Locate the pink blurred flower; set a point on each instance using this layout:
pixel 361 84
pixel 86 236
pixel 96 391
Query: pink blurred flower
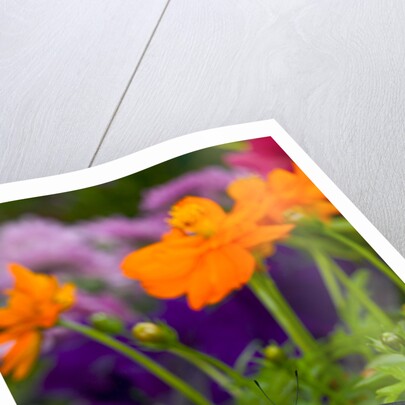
pixel 46 245
pixel 122 231
pixel 263 155
pixel 88 304
pixel 209 182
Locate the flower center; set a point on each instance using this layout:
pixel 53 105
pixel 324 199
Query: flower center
pixel 196 216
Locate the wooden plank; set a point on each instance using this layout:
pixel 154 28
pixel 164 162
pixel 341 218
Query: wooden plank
pixel 64 65
pixel 330 72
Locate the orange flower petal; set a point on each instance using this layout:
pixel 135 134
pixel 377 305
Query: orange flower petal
pixel 199 290
pixel 251 199
pixel 166 289
pixel 8 317
pixel 325 210
pixel 31 354
pixel 264 234
pixel 35 285
pixel 34 303
pixel 283 184
pixel 247 188
pixel 161 261
pixel 242 261
pixel 6 337
pixel 65 296
pixel 207 254
pixel 219 272
pixel 18 360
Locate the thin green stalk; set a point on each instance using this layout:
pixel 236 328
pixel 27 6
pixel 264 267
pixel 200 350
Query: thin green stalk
pixel 369 256
pixel 267 292
pixel 312 381
pixel 329 279
pixel 246 355
pixel 222 380
pixel 139 358
pixel 340 224
pixel 229 371
pixel 373 308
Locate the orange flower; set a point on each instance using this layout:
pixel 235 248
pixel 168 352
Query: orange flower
pixel 285 196
pixel 207 254
pixel 34 304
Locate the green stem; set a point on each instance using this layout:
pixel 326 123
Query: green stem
pixel 139 358
pixel 339 351
pixel 311 380
pixel 340 224
pixel 247 354
pixel 229 371
pixel 369 256
pixel 373 308
pixel 222 380
pixel 330 281
pixel 267 292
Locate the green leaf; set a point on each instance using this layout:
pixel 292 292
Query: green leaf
pixel 391 393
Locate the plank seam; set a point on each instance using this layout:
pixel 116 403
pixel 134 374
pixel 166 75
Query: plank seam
pixel 138 64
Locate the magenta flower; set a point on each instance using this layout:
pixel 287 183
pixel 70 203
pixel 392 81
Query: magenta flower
pixel 263 155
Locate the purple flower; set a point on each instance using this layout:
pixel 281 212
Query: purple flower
pixel 87 304
pixel 224 330
pixel 105 377
pixel 116 231
pixel 210 182
pixel 40 244
pixel 46 245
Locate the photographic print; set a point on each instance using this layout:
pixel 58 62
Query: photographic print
pixel 220 276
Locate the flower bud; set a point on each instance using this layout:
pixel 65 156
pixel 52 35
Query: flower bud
pixel 107 323
pixel 392 340
pixel 274 353
pixel 368 372
pixel 154 335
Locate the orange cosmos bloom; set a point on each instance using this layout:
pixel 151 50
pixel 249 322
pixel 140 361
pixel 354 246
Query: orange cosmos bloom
pixel 34 304
pixel 285 196
pixel 207 254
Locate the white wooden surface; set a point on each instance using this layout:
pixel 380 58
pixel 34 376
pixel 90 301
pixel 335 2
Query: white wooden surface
pixel 64 65
pixel 85 82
